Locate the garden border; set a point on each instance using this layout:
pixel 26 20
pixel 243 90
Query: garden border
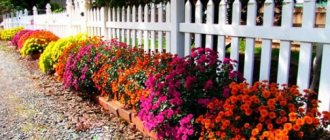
pixel 129 116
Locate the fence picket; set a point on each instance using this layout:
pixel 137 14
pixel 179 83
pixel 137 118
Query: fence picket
pixel 145 32
pixel 266 52
pixel 168 20
pixel 160 33
pixel 285 46
pixel 305 55
pixel 134 21
pixel 221 38
pixel 153 34
pixel 114 35
pixel 140 21
pixel 118 20
pixel 198 20
pixel 209 20
pixel 250 43
pixel 324 87
pixel 123 19
pixel 187 39
pixel 128 19
pixel 109 20
pixel 234 48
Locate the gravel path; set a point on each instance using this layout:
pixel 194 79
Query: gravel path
pixel 35 106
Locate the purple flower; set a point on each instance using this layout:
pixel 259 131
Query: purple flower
pixel 189 81
pixel 203 102
pixel 208 85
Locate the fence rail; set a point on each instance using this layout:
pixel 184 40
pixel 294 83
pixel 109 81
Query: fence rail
pixel 177 26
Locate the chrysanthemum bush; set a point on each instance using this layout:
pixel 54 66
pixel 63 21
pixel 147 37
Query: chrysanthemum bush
pixel 37 41
pixel 116 58
pixel 81 63
pixel 8 34
pixel 132 80
pixel 182 94
pixel 23 38
pixel 53 51
pixel 263 111
pixel 17 36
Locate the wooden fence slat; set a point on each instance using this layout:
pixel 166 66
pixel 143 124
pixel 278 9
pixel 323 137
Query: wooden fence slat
pixel 153 34
pixel 160 34
pixel 198 20
pixel 250 43
pixel 109 18
pixel 285 46
pixel 140 21
pixel 128 19
pixel 221 39
pixel 305 55
pixel 114 20
pixel 145 33
pixel 324 87
pixel 210 20
pixel 187 39
pixel 234 48
pixel 134 31
pixel 266 52
pixel 168 34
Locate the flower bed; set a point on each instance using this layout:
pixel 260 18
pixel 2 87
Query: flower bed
pixel 195 97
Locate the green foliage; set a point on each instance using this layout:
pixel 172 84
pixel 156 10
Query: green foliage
pixel 8 34
pixel 54 50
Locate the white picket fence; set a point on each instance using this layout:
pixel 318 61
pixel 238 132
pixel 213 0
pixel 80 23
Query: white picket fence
pixel 169 27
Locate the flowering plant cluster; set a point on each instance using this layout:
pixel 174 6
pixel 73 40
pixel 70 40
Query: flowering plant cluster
pixel 53 51
pixel 178 97
pixel 8 34
pixel 18 35
pixel 23 38
pixel 116 57
pixel 33 41
pixel 80 67
pixel 262 111
pixel 71 51
pixel 123 75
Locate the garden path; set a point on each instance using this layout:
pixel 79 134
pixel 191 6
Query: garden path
pixel 36 106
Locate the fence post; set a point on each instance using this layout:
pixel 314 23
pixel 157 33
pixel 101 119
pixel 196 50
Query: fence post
pixel 84 5
pixel 177 16
pixel 69 14
pixel 48 13
pixel 35 13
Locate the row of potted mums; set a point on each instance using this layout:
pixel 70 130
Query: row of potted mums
pixel 195 97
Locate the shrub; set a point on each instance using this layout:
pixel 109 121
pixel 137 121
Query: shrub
pixel 179 96
pixel 8 34
pixel 79 67
pixel 37 42
pixel 71 51
pixel 262 111
pixel 23 38
pixel 17 36
pixel 125 71
pixel 115 58
pixel 131 82
pixel 53 51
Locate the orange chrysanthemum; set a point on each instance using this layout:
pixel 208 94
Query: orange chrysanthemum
pixel 288 126
pixel 255 132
